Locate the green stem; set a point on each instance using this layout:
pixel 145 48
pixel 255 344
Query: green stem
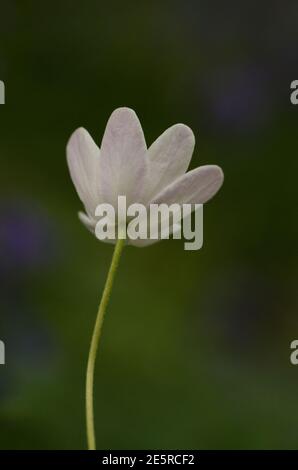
pixel 95 342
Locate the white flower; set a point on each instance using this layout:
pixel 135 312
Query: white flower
pixel 123 165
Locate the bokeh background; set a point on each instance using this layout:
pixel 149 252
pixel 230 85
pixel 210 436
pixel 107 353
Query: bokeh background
pixel 196 345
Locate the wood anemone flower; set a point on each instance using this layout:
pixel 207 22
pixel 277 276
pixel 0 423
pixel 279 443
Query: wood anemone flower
pixel 123 165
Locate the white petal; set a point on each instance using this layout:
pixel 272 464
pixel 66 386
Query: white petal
pixel 90 225
pixel 195 187
pixel 140 243
pixel 122 162
pixel 169 157
pixel 164 227
pixel 83 157
pixel 87 221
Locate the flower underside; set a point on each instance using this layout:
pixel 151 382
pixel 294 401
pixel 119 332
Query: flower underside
pixel 124 166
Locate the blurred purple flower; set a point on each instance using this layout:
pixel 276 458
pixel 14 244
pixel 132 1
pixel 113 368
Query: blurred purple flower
pixel 239 98
pixel 27 244
pixel 27 238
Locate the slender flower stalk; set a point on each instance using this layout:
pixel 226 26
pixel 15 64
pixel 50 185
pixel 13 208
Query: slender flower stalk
pixel 95 343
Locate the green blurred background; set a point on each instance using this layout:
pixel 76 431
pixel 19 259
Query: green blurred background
pixel 196 345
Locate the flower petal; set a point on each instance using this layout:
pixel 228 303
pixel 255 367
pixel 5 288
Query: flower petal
pixel 83 157
pixel 195 187
pixel 122 162
pixel 169 157
pixel 87 221
pixel 166 224
pixel 140 243
pixel 90 225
